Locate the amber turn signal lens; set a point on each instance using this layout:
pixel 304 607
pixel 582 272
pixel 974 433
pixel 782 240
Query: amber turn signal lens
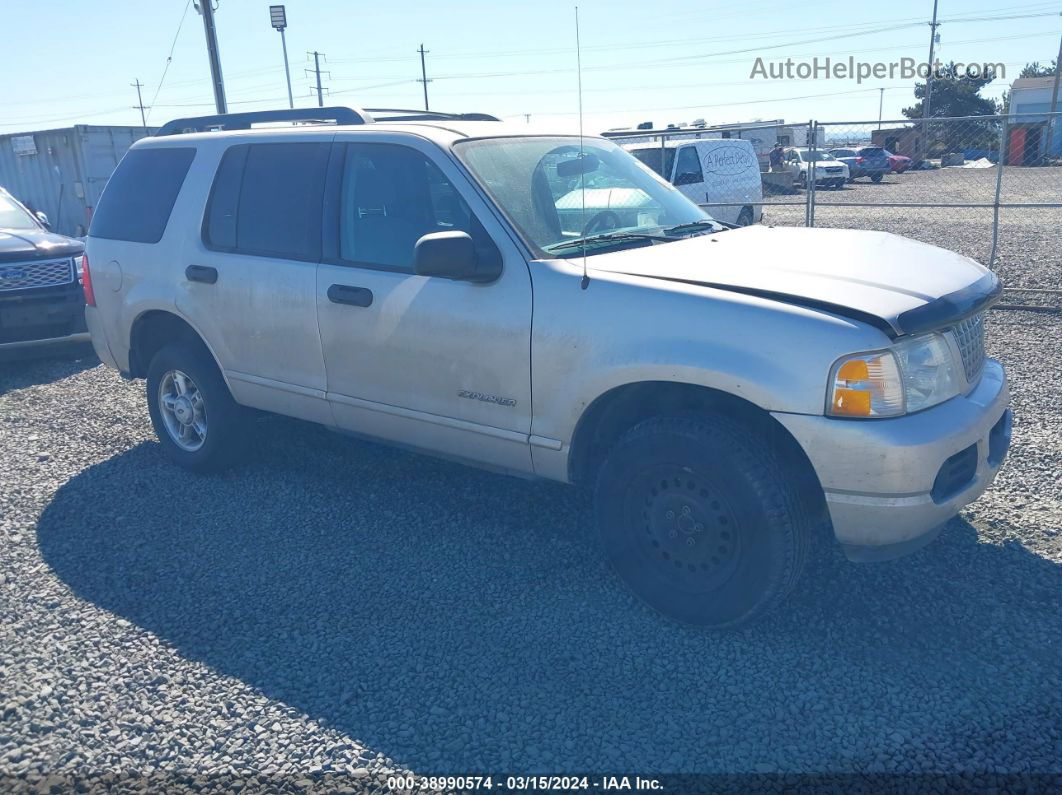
pixel 851 402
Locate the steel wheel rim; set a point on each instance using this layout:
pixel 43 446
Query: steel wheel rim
pixel 183 410
pixel 684 528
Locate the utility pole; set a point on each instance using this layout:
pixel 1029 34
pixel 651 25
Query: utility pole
pixel 140 103
pixel 927 104
pixel 881 103
pixel 424 74
pixel 206 8
pixel 1054 101
pixel 317 69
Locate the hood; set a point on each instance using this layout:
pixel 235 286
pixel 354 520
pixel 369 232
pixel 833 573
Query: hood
pixel 19 245
pixel 893 283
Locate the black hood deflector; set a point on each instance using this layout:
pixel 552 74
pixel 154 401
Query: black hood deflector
pixel 935 314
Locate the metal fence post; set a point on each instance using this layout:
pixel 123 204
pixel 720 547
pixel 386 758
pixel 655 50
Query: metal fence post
pixel 999 187
pixel 813 146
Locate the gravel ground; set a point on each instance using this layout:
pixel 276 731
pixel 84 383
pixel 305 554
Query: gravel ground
pixel 337 606
pixel 1029 252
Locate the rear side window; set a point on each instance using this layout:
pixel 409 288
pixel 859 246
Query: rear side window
pixel 652 158
pixel 266 201
pixel 139 196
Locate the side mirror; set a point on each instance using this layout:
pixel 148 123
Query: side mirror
pixel 43 218
pixel 451 255
pixel 687 178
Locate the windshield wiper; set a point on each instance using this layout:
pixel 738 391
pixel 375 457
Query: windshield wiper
pixel 605 237
pixel 692 226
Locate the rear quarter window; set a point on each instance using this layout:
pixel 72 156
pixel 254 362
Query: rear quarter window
pixel 137 202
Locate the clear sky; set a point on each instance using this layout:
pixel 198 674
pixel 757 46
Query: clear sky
pixel 72 61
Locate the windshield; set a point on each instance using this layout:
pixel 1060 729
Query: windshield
pixel 13 216
pixel 555 196
pixel 810 157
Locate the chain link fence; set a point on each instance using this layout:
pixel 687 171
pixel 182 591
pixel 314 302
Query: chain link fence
pixel 989 187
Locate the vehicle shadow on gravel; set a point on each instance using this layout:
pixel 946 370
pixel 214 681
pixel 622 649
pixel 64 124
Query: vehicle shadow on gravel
pixel 23 367
pixel 460 621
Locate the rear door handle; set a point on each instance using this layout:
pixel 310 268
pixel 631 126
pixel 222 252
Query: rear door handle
pixel 201 273
pixel 354 296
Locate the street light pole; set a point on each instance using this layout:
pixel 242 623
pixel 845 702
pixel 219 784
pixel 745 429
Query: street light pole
pixel 881 103
pixel 279 20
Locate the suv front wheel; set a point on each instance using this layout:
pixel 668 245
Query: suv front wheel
pixel 196 420
pixel 698 517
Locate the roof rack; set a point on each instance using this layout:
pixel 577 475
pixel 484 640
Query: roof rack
pixel 405 114
pixel 243 121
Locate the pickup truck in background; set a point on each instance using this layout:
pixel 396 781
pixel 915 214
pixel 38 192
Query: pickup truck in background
pixel 41 298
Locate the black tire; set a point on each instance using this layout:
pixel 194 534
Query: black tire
pixel 851 180
pixel 225 420
pixel 745 217
pixel 698 517
pixel 876 177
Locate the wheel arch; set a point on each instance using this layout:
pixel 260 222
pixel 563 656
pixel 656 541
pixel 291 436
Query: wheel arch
pixel 614 412
pixel 154 328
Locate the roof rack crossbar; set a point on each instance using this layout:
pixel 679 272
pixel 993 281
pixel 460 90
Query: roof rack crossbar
pixel 408 114
pixel 243 121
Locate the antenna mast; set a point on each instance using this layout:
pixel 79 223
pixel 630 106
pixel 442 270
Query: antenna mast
pixel 582 173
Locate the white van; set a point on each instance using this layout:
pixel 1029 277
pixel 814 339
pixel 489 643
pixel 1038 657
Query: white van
pixel 722 175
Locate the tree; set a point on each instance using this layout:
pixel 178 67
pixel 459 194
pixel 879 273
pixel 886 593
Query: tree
pixel 955 95
pixel 1035 70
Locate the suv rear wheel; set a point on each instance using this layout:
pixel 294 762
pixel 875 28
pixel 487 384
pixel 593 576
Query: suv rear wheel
pixel 196 420
pixel 699 519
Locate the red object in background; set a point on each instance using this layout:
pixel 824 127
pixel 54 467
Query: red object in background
pixel 898 163
pixel 86 282
pixel 1016 151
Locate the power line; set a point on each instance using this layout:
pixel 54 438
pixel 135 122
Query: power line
pixel 169 59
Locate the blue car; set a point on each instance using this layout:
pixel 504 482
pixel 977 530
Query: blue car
pixel 864 161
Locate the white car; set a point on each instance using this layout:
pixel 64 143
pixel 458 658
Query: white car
pixel 721 175
pixel 828 170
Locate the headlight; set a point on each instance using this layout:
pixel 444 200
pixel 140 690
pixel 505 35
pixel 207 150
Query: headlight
pixel 929 372
pixel 914 374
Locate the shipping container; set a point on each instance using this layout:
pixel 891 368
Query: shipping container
pixel 63 172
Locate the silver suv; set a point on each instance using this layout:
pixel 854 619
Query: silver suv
pixel 425 279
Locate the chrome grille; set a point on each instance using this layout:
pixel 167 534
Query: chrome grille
pixel 970 335
pixel 23 275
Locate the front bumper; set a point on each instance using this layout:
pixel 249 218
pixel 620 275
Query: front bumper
pixel 42 315
pixel 824 176
pixel 891 483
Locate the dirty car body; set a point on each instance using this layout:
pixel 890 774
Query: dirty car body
pixel 461 295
